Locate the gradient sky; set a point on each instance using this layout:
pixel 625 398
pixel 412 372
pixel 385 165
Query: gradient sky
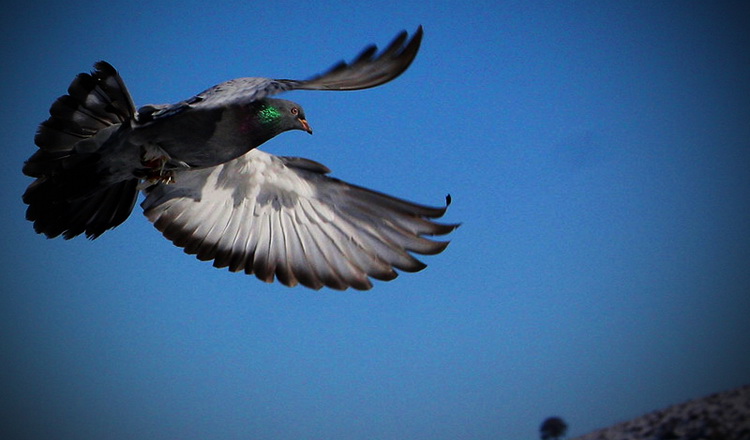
pixel 597 153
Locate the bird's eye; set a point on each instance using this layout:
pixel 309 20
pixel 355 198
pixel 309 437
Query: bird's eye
pixel 295 111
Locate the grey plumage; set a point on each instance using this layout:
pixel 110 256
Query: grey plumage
pixel 210 191
pixel 366 71
pixel 280 216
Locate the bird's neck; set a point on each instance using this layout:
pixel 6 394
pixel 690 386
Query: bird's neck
pixel 259 123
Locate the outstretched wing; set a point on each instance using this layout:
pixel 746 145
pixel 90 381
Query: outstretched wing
pixel 283 217
pixel 369 69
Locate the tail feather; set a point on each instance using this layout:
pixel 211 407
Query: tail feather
pixel 94 101
pixel 93 215
pixel 69 197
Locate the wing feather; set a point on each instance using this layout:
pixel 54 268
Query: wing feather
pixel 321 249
pixel 262 214
pixel 261 262
pixel 247 235
pixel 206 249
pixel 366 71
pixel 228 241
pixel 296 259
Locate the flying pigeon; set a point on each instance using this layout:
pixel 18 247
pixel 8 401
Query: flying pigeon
pixel 212 192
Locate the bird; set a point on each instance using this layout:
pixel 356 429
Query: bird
pixel 211 191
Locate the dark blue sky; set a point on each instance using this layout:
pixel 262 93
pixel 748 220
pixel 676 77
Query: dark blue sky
pixel 597 153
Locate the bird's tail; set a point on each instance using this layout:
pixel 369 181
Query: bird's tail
pixel 67 196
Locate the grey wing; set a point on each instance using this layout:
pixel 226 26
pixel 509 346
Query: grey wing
pixel 283 218
pixel 369 69
pixel 237 91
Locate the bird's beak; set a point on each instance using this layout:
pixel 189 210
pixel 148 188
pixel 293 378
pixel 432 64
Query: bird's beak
pixel 305 125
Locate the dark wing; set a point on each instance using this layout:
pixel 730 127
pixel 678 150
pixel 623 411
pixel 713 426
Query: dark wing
pixel 369 69
pixel 284 218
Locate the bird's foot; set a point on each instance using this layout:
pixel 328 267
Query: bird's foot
pixel 155 171
pixel 165 177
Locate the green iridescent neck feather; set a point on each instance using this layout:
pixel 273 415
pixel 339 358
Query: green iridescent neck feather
pixel 268 114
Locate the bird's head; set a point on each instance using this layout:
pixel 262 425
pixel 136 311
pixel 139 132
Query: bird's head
pixel 280 115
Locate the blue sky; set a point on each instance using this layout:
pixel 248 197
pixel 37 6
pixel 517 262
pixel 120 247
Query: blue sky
pixel 597 153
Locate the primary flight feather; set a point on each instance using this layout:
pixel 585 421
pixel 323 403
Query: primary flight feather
pixel 212 192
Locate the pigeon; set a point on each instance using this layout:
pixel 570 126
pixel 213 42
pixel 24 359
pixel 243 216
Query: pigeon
pixel 212 192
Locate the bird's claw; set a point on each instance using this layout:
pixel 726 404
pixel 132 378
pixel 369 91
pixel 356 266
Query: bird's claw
pixel 155 171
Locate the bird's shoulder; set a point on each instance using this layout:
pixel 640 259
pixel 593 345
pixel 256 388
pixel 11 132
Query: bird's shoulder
pixel 235 92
